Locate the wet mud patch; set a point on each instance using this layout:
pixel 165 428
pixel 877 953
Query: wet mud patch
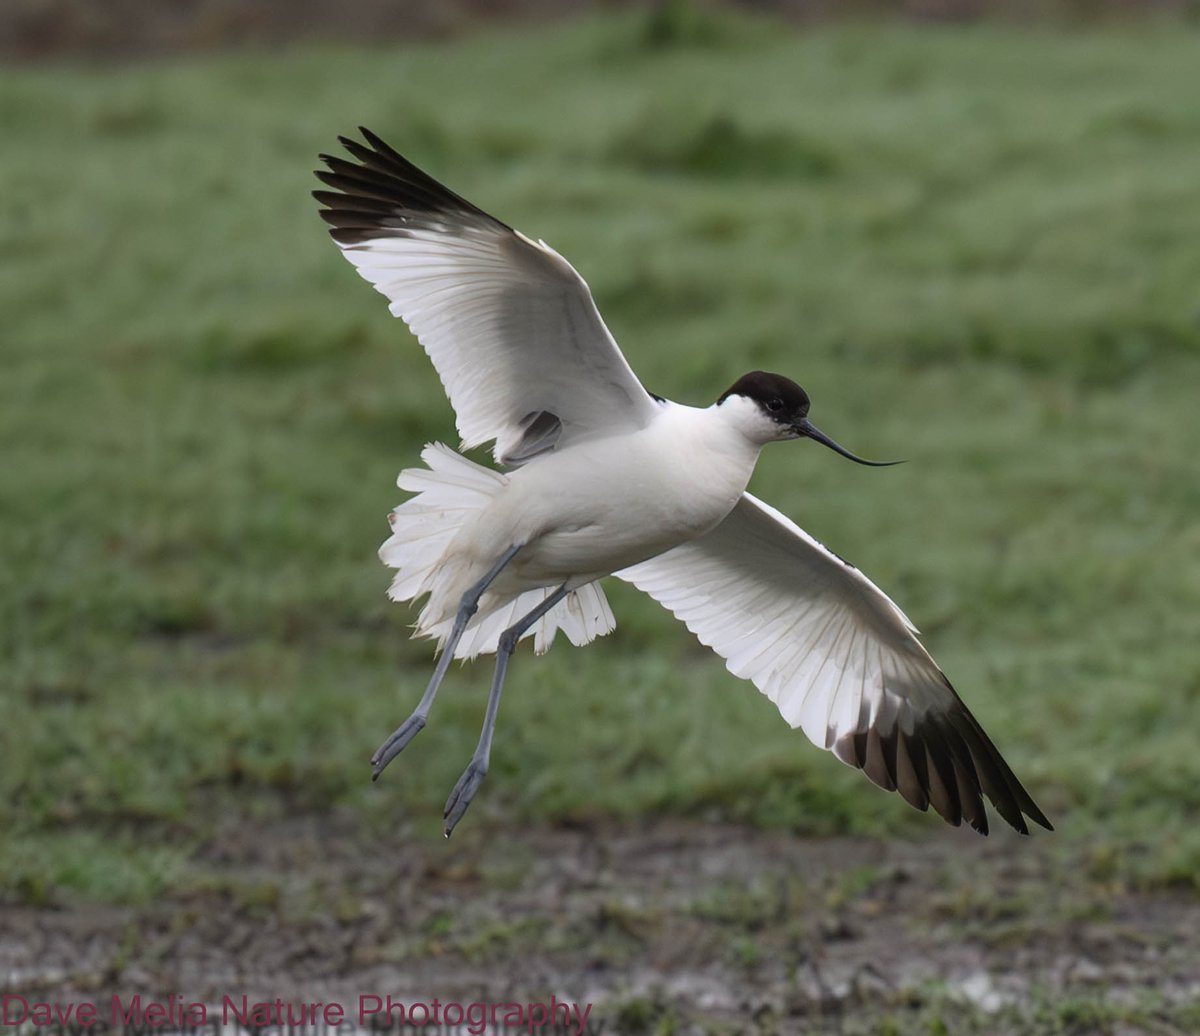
pixel 669 927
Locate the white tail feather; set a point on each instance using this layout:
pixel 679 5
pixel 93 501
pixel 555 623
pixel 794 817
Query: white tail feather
pixel 450 491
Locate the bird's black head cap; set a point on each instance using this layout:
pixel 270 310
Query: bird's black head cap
pixel 780 398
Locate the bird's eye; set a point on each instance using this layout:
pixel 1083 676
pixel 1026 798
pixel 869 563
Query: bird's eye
pixel 775 405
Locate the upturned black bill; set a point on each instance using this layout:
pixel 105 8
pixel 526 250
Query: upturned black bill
pixel 805 427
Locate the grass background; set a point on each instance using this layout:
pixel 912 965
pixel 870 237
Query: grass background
pixel 975 248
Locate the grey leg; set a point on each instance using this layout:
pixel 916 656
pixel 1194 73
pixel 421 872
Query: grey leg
pixel 412 726
pixel 473 775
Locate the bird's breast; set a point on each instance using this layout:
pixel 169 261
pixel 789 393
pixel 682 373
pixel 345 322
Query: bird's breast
pixel 602 506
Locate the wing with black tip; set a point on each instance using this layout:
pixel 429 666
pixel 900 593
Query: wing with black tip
pixel 838 658
pixel 509 325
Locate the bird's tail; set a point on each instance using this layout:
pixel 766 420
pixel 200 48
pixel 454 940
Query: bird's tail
pixel 452 491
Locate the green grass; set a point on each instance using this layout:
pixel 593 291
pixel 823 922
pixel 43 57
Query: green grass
pixel 976 248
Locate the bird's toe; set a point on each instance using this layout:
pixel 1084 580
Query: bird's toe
pixel 464 791
pixel 396 744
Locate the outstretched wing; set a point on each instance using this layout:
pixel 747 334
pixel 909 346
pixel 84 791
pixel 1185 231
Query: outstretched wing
pixel 838 658
pixel 509 325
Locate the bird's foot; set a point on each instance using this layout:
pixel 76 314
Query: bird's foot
pixel 396 744
pixel 464 791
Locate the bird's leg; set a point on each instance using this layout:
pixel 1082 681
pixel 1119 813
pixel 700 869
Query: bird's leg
pixel 473 775
pixel 412 726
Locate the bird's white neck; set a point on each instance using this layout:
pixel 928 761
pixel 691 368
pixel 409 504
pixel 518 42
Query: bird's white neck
pixel 711 448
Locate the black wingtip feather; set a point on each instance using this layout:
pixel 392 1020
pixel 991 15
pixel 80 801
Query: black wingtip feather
pixel 946 762
pixel 382 146
pixel 911 776
pixel 377 192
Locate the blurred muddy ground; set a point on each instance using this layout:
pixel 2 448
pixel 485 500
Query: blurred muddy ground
pixel 666 928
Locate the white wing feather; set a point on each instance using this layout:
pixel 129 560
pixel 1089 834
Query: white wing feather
pixel 837 657
pixel 510 327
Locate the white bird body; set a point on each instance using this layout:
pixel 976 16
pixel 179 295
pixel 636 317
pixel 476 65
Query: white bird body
pixel 681 475
pixel 605 478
